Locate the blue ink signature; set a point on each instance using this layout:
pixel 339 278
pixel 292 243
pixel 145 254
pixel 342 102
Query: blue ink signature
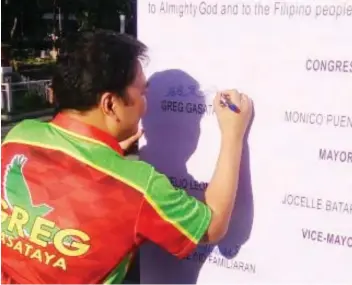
pixel 189 91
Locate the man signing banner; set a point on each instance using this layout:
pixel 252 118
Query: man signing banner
pixel 73 208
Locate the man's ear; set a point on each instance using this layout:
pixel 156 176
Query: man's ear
pixel 111 105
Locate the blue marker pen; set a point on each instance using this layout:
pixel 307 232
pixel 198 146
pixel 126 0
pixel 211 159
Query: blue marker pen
pixel 230 105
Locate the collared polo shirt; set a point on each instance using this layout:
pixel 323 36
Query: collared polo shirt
pixel 74 209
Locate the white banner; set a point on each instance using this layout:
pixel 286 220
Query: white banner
pixel 293 217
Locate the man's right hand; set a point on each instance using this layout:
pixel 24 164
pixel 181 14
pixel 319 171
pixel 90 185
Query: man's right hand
pixel 233 125
pixel 221 192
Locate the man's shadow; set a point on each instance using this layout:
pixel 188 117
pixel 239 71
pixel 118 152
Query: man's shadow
pixel 172 131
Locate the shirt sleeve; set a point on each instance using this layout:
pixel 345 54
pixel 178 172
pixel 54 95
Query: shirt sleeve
pixel 171 218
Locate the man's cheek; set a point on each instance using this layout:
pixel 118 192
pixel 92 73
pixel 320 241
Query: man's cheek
pixel 144 106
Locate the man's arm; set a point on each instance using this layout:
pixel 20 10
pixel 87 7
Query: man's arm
pixel 221 192
pixel 171 218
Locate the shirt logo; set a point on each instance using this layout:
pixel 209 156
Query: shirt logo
pixel 25 227
pixel 17 192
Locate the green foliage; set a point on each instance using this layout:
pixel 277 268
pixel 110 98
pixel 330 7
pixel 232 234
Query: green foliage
pixel 32 61
pixel 28 101
pixel 34 68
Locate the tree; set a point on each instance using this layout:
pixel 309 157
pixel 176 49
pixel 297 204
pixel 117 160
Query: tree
pixel 11 14
pixel 22 20
pixel 102 14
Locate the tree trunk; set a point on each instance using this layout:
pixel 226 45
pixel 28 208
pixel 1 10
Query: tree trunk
pixel 14 26
pixel 54 26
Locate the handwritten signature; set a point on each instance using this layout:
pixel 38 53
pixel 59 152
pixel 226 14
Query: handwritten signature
pixel 190 91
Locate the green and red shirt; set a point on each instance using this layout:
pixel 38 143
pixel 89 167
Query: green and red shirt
pixel 74 209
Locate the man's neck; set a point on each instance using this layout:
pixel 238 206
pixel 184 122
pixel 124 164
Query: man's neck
pixel 91 118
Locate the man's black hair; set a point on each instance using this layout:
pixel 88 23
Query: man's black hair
pixel 91 63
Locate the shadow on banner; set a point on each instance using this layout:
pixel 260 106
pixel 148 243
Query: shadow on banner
pixel 172 138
